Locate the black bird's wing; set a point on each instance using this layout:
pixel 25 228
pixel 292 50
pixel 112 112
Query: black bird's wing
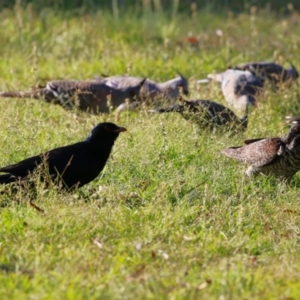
pixel 80 163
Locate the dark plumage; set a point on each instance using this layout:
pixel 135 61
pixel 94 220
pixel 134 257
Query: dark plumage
pixel 207 114
pixel 70 166
pixel 91 95
pixel 270 70
pixel 271 156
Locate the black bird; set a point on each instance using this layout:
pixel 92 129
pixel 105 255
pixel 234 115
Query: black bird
pixel 70 166
pixel 207 114
pixel 271 156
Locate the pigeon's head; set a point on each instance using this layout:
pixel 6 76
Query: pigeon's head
pixel 105 130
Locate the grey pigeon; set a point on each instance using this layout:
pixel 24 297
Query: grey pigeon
pixel 240 88
pixel 150 90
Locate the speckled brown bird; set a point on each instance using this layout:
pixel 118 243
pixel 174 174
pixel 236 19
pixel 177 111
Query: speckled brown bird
pixel 279 157
pixel 207 114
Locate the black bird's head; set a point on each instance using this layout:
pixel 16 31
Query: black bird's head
pixel 106 131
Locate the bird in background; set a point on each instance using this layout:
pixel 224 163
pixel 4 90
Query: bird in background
pixel 207 114
pixel 70 166
pixel 271 71
pixel 150 89
pixel 240 88
pixel 91 95
pixel 150 92
pixel 277 156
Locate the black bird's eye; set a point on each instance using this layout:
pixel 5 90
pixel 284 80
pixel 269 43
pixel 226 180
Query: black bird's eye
pixel 107 128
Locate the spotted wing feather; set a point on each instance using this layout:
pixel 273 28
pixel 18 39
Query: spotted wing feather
pixel 259 153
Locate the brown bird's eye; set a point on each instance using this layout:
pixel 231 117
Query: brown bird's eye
pixel 106 128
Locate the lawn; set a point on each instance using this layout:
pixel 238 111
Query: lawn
pixel 169 217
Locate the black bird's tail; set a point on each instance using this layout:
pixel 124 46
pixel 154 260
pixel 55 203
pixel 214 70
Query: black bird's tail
pixel 7 178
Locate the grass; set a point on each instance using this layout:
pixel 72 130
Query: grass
pixel 169 217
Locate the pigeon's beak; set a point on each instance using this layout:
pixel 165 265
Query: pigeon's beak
pixel 120 129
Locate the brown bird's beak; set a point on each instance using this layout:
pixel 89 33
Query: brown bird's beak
pixel 120 129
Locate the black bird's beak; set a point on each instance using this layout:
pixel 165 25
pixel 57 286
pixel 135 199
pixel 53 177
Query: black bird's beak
pixel 120 129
